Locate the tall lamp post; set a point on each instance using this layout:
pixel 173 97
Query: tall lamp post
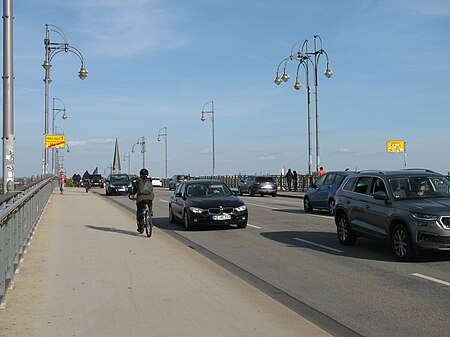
pixel 307 59
pixel 125 157
pixel 164 134
pixel 202 118
pixel 64 116
pixel 141 141
pixel 52 49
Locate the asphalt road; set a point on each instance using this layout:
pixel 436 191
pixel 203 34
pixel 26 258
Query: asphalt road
pixel 295 257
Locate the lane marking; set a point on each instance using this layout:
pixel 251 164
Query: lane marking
pixel 257 227
pixel 319 245
pixel 432 279
pixel 164 201
pixel 282 209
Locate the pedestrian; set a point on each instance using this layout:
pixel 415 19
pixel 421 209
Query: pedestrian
pixel 295 180
pixel 321 171
pixel 61 180
pixel 289 177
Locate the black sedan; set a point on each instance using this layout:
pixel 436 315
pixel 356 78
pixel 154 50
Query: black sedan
pixel 206 202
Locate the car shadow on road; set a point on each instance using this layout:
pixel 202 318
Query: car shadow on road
pixel 366 249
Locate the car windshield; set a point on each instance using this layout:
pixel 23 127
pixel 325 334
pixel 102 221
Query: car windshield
pixel 420 187
pixel 119 178
pixel 264 179
pixel 208 190
pixel 96 176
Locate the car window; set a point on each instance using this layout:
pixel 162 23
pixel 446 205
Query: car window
pixel 264 179
pixel 178 189
pixel 377 186
pixel 362 185
pixel 350 184
pixel 329 179
pixel 119 178
pixel 321 179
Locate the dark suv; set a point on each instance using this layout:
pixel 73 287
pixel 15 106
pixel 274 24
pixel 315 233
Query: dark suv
pixel 97 180
pixel 258 185
pixel 409 208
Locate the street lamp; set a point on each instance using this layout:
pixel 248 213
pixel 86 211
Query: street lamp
pixel 164 134
pixel 52 49
pixel 211 114
pixel 125 157
pixel 141 141
pixel 307 58
pixel 64 116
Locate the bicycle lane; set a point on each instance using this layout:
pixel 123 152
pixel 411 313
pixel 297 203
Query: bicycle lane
pixel 88 273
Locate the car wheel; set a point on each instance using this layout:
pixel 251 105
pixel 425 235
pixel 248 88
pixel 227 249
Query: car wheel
pixel 401 243
pixel 344 232
pixel 171 217
pixel 187 222
pixel 242 225
pixel 240 191
pixel 307 205
pixel 274 195
pixel 331 206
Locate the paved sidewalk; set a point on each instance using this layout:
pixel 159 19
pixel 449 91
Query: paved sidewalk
pixel 88 273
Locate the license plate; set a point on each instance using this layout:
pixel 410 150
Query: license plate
pixel 122 189
pixel 267 187
pixel 222 217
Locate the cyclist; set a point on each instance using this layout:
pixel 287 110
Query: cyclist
pixel 143 190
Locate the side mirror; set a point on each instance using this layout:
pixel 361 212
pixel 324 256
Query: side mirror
pixel 380 195
pixel 179 194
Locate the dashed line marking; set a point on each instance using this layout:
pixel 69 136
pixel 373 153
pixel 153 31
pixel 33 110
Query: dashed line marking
pixel 257 227
pixel 319 245
pixel 429 278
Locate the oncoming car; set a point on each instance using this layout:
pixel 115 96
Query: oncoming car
pixel 118 183
pixel 156 182
pixel 206 202
pixel 409 208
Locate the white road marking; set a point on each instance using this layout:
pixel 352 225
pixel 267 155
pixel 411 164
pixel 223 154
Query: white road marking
pixel 164 201
pixel 432 279
pixel 319 245
pixel 282 209
pixel 257 227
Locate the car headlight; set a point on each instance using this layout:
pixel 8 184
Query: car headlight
pixel 424 217
pixel 196 210
pixel 240 208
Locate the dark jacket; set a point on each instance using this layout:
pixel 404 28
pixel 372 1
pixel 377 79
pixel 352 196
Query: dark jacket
pixel 143 189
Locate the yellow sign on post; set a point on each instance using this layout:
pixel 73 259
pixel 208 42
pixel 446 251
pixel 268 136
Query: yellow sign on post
pixel 55 141
pixel 395 146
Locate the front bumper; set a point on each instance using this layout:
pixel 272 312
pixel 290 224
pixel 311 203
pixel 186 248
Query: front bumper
pixel 119 190
pixel 432 241
pixel 235 218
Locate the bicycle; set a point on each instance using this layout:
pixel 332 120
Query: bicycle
pixel 146 221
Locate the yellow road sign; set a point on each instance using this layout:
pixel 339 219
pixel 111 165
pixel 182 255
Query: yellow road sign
pixel 55 141
pixel 395 146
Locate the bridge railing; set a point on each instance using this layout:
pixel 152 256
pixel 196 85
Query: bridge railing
pixel 20 211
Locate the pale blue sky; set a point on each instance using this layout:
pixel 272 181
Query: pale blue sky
pixel 155 63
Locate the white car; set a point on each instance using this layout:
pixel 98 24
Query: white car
pixel 156 182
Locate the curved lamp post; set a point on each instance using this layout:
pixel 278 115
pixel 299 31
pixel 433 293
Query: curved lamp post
pixel 164 134
pixel 307 59
pixel 64 116
pixel 140 141
pixel 202 118
pixel 51 50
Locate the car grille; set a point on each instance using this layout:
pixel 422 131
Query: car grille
pixel 446 222
pixel 220 210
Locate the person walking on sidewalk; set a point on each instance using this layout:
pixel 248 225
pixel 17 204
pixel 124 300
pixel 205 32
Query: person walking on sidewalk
pixel 61 180
pixel 295 180
pixel 321 171
pixel 289 177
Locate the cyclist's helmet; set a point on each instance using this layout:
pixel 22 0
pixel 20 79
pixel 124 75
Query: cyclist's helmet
pixel 143 172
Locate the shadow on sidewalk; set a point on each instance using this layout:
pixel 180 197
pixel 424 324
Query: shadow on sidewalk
pixel 113 230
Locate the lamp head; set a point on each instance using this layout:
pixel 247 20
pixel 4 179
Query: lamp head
pixel 277 80
pixel 297 86
pixel 82 73
pixel 203 117
pixel 328 73
pixel 159 138
pixel 285 77
pixel 64 116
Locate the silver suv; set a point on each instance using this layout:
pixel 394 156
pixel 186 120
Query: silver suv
pixel 410 208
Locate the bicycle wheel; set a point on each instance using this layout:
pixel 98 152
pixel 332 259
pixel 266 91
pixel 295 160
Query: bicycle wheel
pixel 148 224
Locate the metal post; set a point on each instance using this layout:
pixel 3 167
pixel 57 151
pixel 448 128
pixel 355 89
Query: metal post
pixel 47 82
pixel 165 152
pixel 211 113
pixel 316 59
pixel 8 98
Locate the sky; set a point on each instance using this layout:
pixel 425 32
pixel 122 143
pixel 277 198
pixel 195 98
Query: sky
pixel 155 63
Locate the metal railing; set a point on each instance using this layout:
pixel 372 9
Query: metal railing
pixel 19 214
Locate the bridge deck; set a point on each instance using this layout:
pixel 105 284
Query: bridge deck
pixel 88 273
